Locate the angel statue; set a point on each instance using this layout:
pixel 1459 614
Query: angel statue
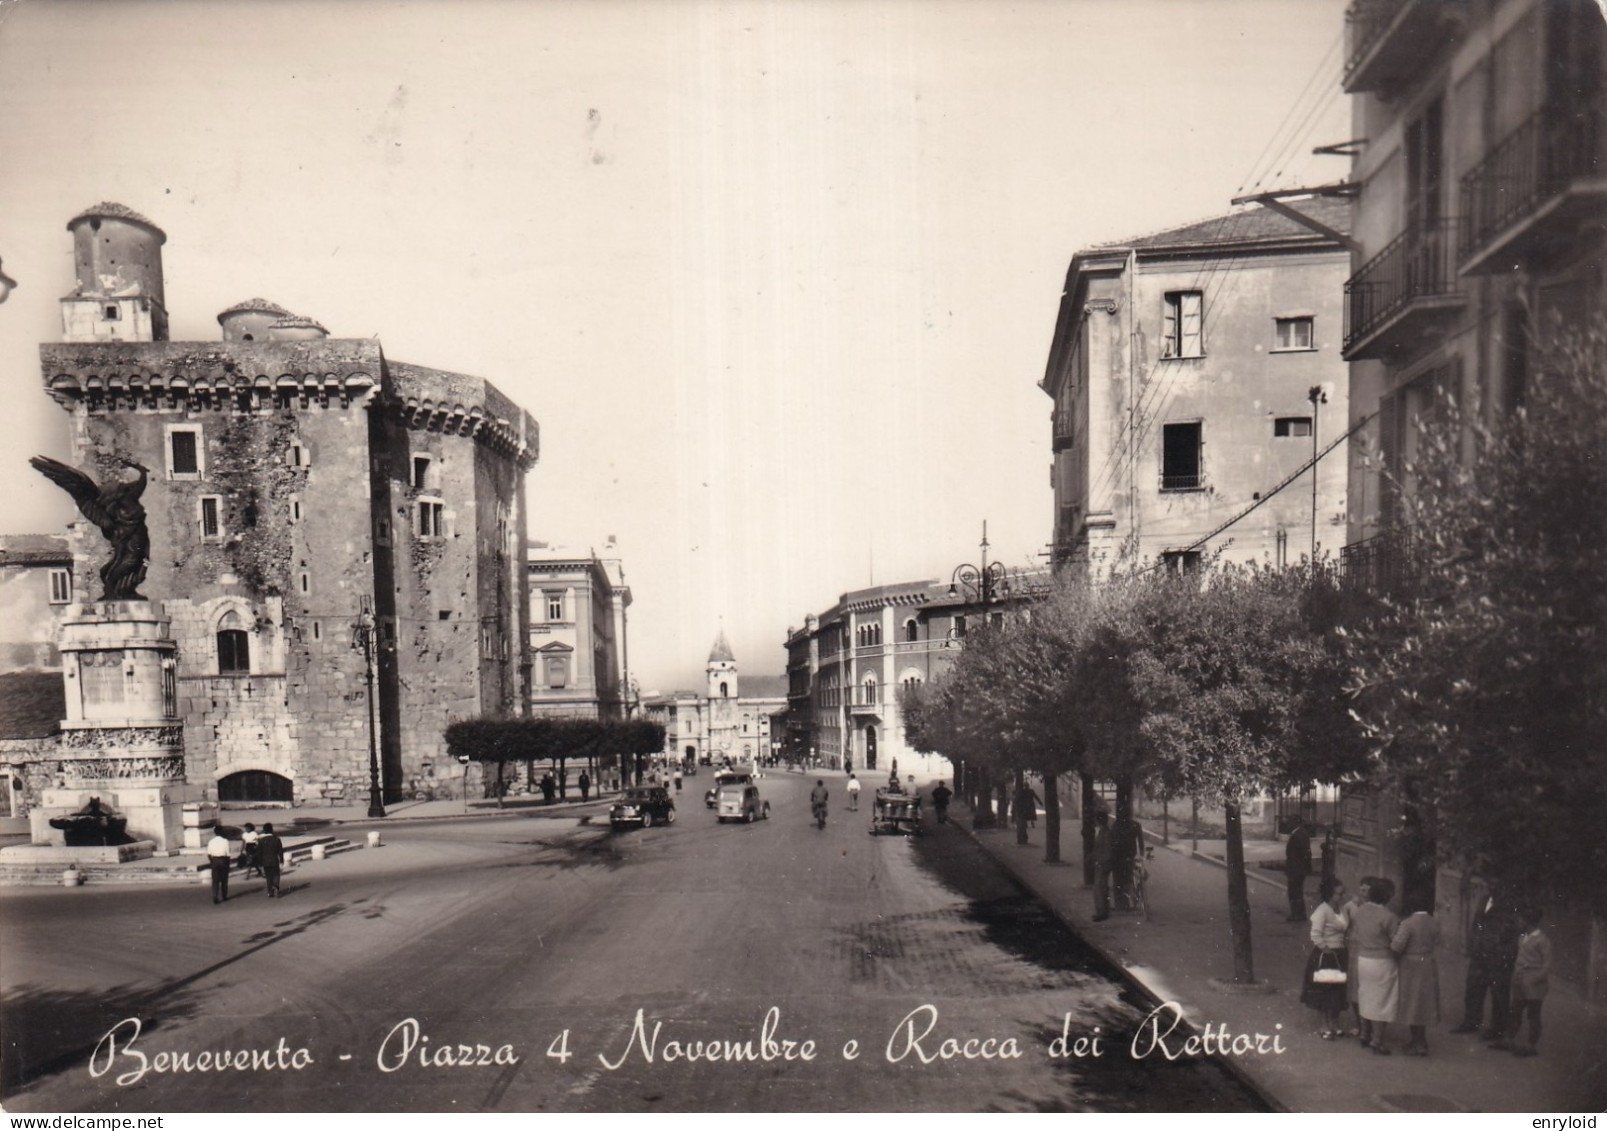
pixel 115 508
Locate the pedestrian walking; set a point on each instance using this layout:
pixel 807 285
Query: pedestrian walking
pixel 1327 966
pixel 1531 980
pixel 218 859
pixel 1414 944
pixel 585 785
pixel 1379 992
pixel 1296 867
pixel 271 851
pixel 1492 948
pixel 248 850
pixel 1104 858
pixel 1352 974
pixel 853 793
pixel 548 788
pixel 940 801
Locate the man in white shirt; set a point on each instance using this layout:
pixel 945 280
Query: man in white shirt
pixel 853 793
pixel 217 855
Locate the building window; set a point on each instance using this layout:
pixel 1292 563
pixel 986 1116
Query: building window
pixel 305 580
pixel 959 628
pixel 725 690
pixel 1181 561
pixel 234 652
pixel 1293 334
pixel 1182 330
pixel 61 586
pixel 431 518
pixel 870 692
pixel 300 456
pixel 211 518
pixel 421 473
pixel 911 631
pixel 382 532
pixel 113 314
pixel 1181 468
pixel 183 452
pixel 295 509
pixel 557 668
pixel 1292 426
pixel 555 606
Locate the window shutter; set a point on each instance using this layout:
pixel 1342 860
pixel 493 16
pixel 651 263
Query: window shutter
pixel 1169 327
pixel 1192 337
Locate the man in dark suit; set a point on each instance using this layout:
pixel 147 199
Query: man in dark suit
pixel 1492 947
pixel 271 857
pixel 1296 867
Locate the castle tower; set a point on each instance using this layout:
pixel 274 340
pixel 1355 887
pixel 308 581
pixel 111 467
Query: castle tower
pixel 117 255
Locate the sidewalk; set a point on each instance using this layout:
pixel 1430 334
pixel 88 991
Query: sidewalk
pixel 1184 954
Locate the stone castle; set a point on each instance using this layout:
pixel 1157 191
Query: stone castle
pixel 337 538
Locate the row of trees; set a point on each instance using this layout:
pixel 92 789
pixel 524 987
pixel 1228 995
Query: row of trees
pixel 1472 684
pixel 599 743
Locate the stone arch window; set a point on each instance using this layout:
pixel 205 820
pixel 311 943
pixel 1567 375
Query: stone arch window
pixel 234 645
pixel 870 690
pixel 912 631
pixel 725 690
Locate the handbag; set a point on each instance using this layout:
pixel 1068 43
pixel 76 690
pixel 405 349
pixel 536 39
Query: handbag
pixel 1328 975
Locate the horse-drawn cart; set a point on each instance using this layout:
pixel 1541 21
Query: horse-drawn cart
pixel 896 813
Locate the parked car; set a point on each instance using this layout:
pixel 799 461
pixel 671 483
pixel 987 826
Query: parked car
pixel 739 801
pixel 724 777
pixel 646 805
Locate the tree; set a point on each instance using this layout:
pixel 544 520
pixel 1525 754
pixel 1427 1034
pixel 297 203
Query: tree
pixel 1226 666
pixel 1482 682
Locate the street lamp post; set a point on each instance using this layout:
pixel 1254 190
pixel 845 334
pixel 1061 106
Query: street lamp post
pixel 1318 397
pixel 983 584
pixel 363 637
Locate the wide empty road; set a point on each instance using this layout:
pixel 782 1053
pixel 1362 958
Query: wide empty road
pixel 534 965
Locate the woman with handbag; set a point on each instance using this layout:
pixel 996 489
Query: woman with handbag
pixel 1327 964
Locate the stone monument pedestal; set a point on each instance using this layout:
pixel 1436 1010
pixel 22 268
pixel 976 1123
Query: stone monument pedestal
pixel 122 741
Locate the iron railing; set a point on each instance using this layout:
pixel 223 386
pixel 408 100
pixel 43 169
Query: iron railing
pixel 1416 264
pixel 1366 22
pixel 1533 164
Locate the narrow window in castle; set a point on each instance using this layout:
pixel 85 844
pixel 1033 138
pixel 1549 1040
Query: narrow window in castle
pixel 300 456
pixel 431 518
pixel 61 586
pixel 211 518
pixel 421 472
pixel 113 314
pixel 295 509
pixel 183 452
pixel 234 652
pixel 306 582
pixel 382 532
pixel 317 631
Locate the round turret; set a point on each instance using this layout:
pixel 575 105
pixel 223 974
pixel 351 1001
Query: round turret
pixel 297 329
pixel 252 320
pixel 117 253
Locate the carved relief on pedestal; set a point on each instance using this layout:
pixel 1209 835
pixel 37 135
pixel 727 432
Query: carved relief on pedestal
pixel 167 736
pixel 165 767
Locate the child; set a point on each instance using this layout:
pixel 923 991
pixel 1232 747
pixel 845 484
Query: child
pixel 1530 980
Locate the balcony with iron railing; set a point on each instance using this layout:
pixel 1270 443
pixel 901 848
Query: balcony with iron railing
pixel 1407 289
pixel 1387 41
pixel 1529 195
pixel 1380 564
pixel 1063 425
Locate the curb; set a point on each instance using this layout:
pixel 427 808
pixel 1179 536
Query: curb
pixel 1138 987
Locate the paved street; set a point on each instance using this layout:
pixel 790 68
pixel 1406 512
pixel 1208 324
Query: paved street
pixel 498 938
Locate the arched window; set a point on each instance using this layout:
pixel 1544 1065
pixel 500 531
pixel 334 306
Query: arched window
pixel 870 689
pixel 725 690
pixel 911 631
pixel 234 646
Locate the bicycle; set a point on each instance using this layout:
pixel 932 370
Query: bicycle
pixel 1135 890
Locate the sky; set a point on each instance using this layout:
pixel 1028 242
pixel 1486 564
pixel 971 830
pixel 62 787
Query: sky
pixel 778 280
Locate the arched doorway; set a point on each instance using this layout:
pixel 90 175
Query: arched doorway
pixel 870 748
pixel 257 786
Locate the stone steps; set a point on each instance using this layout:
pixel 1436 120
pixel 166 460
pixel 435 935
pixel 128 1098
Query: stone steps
pixel 187 869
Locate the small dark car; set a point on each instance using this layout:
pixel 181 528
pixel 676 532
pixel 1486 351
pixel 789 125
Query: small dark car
pixel 643 805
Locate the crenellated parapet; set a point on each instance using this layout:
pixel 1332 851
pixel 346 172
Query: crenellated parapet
pixel 435 400
pixel 241 377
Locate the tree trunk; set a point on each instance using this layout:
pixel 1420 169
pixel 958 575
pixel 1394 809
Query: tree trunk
pixel 498 785
pixel 563 779
pixel 1122 834
pixel 982 815
pixel 1238 899
pixel 1022 812
pixel 1090 801
pixel 1051 819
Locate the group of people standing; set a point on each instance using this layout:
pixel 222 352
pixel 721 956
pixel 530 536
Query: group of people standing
pixel 1384 969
